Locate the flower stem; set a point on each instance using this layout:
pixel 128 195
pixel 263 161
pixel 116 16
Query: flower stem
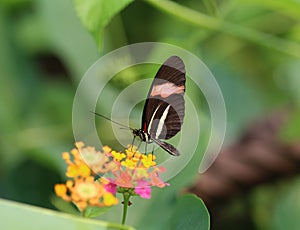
pixel 126 197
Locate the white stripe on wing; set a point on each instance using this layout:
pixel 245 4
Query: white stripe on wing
pixel 152 118
pixel 161 122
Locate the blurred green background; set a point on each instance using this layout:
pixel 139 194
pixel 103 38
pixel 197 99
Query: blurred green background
pixel 45 50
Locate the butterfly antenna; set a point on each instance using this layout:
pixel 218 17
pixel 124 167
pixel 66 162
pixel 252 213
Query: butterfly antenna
pixel 124 128
pixel 100 115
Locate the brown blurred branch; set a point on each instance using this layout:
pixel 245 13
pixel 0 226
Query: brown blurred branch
pixel 258 157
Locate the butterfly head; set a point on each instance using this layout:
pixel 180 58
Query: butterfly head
pixel 142 135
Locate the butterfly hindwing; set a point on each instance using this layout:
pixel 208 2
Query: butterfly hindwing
pixel 168 147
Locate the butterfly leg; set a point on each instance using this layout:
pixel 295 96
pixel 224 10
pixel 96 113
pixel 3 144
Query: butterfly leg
pixel 137 148
pixel 139 145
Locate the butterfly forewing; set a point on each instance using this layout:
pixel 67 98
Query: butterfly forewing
pixel 174 120
pixel 172 70
pixel 167 119
pixel 164 108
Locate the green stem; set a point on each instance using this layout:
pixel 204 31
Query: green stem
pixel 204 21
pixel 126 197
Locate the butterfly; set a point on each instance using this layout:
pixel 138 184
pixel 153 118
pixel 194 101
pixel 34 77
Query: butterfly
pixel 163 111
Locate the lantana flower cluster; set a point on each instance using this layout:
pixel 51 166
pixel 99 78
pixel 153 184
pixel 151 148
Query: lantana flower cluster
pixel 133 169
pixel 96 176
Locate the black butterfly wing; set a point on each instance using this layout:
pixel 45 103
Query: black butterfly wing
pixel 167 118
pixel 172 70
pixel 164 108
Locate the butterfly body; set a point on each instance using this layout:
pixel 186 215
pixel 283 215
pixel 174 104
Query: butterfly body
pixel 145 137
pixel 164 107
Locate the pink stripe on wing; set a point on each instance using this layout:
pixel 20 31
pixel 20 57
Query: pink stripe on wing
pixel 166 89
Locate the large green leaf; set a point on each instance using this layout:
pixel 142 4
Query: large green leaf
pixel 20 216
pixel 190 213
pixel 96 14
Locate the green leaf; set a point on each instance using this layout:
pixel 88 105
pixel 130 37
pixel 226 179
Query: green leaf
pixel 20 216
pixel 96 14
pixel 95 211
pixel 190 213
